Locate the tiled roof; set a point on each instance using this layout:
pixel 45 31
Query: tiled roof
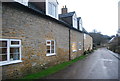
pixel 39 13
pixel 67 14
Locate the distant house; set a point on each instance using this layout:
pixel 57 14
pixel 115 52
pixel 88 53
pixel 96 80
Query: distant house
pixel 88 42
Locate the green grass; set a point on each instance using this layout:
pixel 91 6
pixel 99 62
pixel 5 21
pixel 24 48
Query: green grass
pixel 52 69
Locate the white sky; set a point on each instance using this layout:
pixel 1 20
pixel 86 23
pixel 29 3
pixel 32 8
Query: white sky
pixel 101 15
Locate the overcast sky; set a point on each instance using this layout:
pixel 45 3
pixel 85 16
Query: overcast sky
pixel 101 15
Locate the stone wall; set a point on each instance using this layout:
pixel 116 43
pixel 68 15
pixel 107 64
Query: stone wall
pixel 88 42
pixel 76 38
pixel 33 30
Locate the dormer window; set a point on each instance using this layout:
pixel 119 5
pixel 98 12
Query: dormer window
pixel 24 2
pixel 80 25
pixel 75 21
pixel 52 8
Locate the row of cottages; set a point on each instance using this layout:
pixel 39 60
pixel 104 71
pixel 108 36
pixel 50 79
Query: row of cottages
pixel 33 37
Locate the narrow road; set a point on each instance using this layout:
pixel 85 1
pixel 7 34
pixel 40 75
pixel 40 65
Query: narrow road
pixel 101 64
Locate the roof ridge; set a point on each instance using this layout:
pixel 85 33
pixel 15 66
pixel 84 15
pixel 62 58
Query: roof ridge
pixel 67 14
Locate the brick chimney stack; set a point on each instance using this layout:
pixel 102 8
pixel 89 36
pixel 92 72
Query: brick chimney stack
pixel 64 10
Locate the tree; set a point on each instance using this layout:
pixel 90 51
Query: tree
pixel 98 38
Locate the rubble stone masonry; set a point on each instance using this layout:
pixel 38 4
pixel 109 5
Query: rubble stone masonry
pixel 33 30
pixel 88 42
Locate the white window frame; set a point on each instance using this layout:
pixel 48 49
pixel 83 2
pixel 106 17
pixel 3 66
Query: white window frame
pixel 74 21
pixel 79 46
pixel 8 52
pixel 50 54
pixel 15 40
pixel 56 8
pixel 80 25
pixel 24 2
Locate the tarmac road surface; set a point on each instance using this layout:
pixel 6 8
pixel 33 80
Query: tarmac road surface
pixel 101 64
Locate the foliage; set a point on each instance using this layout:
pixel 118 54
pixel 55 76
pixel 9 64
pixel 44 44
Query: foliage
pixel 114 45
pixel 89 51
pixel 99 39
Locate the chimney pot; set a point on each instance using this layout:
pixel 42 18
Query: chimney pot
pixel 64 10
pixel 65 6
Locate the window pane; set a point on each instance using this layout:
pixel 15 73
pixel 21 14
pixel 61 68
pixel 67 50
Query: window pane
pixel 14 42
pixel 52 51
pixel 14 53
pixel 3 57
pixel 48 51
pixel 48 42
pixel 52 43
pixel 3 50
pixel 79 46
pixel 50 8
pixel 48 47
pixel 52 47
pixel 3 43
pixel 14 50
pixel 14 57
pixel 54 10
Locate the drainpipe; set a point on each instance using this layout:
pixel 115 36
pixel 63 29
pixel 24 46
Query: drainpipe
pixel 83 42
pixel 69 45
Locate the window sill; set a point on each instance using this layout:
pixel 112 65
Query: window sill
pixel 51 54
pixel 74 50
pixel 11 62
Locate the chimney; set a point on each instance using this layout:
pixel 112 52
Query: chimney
pixel 64 10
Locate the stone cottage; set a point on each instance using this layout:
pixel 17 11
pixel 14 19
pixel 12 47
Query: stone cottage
pixel 88 42
pixel 33 38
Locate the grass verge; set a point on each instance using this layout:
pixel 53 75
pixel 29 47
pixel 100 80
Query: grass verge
pixel 52 69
